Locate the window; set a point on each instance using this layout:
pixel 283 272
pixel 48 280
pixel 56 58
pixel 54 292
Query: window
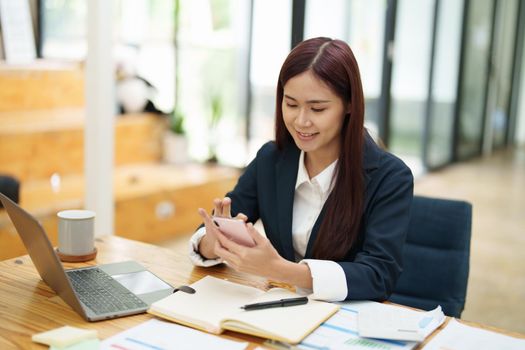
pixel 64 29
pixel 143 39
pixel 212 76
pixel 361 23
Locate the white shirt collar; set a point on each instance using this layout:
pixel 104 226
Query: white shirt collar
pixel 324 178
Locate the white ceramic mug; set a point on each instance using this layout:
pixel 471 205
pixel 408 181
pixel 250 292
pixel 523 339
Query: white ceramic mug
pixel 76 232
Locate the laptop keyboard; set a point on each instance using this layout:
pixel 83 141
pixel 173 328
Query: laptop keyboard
pixel 101 293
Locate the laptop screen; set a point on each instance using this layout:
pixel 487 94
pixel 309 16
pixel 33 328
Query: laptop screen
pixel 41 252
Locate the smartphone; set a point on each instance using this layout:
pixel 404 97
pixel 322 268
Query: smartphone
pixel 234 229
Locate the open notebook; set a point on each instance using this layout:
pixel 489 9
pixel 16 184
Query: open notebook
pixel 216 306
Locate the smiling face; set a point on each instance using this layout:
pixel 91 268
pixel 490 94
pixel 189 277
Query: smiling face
pixel 313 115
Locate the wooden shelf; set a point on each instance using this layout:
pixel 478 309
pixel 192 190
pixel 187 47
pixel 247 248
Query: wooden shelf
pixel 37 144
pixel 41 85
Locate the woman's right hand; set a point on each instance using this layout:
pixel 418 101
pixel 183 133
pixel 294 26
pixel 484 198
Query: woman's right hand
pixel 222 208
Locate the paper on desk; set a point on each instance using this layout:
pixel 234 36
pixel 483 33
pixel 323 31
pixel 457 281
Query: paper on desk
pixel 160 335
pixel 91 344
pixel 64 336
pixel 340 332
pixel 456 336
pixel 384 321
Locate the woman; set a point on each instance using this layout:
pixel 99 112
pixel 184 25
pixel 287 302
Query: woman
pixel 335 207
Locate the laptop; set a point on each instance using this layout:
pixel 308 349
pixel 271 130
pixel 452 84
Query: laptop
pixel 96 292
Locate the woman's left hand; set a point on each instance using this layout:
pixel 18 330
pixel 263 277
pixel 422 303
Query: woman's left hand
pixel 262 260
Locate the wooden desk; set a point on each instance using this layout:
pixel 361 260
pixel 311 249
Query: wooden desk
pixel 28 305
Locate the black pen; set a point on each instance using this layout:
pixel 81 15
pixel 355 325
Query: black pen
pixel 276 303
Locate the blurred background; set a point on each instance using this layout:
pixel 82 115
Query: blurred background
pixel 187 90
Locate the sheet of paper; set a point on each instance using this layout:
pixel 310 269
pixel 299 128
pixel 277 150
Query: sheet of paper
pixel 340 332
pixel 378 320
pixel 91 344
pixel 457 336
pixel 160 335
pixel 64 336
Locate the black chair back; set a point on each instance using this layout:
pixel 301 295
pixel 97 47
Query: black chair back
pixel 436 256
pixel 10 186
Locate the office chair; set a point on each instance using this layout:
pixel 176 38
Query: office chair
pixel 9 186
pixel 436 256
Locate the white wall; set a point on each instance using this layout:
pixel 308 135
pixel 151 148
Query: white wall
pixel 100 117
pixel 520 126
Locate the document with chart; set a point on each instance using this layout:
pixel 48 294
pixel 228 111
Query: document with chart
pixel 341 331
pixel 394 322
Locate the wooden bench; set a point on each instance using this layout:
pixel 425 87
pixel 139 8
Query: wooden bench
pixel 153 202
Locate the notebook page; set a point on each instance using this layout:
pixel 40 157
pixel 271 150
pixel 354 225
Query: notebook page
pixel 290 324
pixel 213 300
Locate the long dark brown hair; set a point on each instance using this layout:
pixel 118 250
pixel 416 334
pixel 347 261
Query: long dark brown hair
pixel 333 62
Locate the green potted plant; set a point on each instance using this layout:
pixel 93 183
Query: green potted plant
pixel 216 109
pixel 176 123
pixel 175 142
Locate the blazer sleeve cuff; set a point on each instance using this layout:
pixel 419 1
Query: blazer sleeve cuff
pixel 195 256
pixel 328 280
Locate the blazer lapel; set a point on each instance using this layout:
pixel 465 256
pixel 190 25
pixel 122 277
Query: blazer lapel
pixel 286 176
pixel 371 158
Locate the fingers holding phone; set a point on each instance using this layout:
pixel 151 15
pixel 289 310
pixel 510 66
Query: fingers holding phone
pixel 242 217
pixel 222 207
pixel 209 240
pixel 235 230
pixel 237 225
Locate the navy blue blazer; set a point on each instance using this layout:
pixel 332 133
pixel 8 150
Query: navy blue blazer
pixel 372 266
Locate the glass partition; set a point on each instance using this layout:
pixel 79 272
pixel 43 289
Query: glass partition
pixel 443 92
pixel 501 77
pixel 410 78
pixel 473 82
